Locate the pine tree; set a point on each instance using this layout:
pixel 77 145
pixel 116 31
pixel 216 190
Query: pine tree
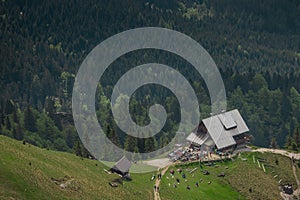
pixel 113 137
pixel 7 123
pixel 149 144
pixel 9 107
pixel 1 119
pixel 294 146
pixel 29 120
pixel 136 155
pixel 18 133
pixel 273 144
pixel 163 141
pixel 141 144
pixel 78 148
pixel 296 137
pixel 289 141
pixel 108 130
pixel 286 107
pixel 49 107
pixel 69 138
pixel 130 143
pixel 15 117
pixel 86 153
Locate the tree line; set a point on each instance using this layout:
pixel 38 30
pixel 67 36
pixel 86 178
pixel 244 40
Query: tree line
pixel 271 114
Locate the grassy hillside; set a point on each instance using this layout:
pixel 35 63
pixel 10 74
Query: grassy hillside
pixel 218 189
pixel 26 172
pixel 243 179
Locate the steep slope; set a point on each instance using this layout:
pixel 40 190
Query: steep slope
pixel 28 172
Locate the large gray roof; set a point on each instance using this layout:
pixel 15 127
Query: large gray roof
pixel 221 128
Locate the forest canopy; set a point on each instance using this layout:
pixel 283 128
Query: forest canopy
pixel 255 44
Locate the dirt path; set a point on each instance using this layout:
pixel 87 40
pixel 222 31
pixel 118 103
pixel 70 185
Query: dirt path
pixel 279 151
pixel 157 183
pixel 297 191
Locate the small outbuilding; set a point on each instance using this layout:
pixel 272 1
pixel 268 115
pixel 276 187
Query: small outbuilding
pixel 122 167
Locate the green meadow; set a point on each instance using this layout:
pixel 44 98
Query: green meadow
pixel 29 172
pixel 26 172
pixel 243 179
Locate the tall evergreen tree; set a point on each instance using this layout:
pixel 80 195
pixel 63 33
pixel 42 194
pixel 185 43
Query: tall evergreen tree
pixel 289 141
pixel 78 148
pixel 286 107
pixel 18 133
pixel 8 123
pixel 296 137
pixel 149 144
pixel 273 144
pixel 29 120
pixel 15 116
pixel 1 119
pixel 130 143
pixel 69 137
pixel 9 107
pixel 141 144
pixel 112 135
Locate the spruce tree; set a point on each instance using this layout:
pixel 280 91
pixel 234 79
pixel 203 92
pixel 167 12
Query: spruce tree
pixel 9 107
pixel 78 148
pixel 273 144
pixel 112 135
pixel 29 120
pixel 149 144
pixel 18 133
pixel 7 123
pixel 15 116
pixel 296 137
pixel 130 144
pixel 69 137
